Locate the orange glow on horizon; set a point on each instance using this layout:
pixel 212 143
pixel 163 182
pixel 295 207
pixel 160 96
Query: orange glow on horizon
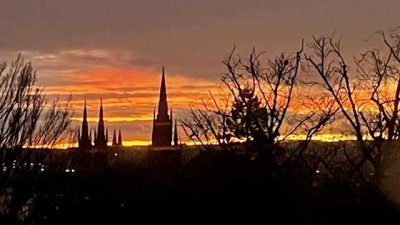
pixel 133 143
pixel 128 143
pixel 130 95
pixel 116 119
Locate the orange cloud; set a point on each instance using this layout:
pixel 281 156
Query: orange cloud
pixel 129 97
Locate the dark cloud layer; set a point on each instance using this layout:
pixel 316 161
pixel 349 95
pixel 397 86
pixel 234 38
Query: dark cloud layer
pixel 188 35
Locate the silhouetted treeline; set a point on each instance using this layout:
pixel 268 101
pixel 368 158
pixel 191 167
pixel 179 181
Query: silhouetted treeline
pixel 264 102
pixel 27 119
pixel 215 184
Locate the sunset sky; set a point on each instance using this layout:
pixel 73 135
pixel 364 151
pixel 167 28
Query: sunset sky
pixel 115 50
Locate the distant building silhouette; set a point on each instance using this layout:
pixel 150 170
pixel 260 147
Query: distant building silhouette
pixel 96 138
pixel 101 138
pixel 162 123
pixel 114 139
pixel 119 143
pixel 162 134
pixel 176 142
pixel 84 139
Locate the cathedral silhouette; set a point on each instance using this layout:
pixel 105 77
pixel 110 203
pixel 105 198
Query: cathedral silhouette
pixel 161 134
pixel 162 123
pixel 100 136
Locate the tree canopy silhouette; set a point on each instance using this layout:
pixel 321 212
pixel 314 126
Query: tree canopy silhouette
pixel 27 120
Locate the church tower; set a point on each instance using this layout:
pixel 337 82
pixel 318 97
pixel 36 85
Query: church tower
pixel 101 139
pixel 84 139
pixel 162 123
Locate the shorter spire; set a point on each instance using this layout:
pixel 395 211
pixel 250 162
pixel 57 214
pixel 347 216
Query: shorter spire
pixel 106 137
pixel 176 141
pixel 119 138
pixel 83 133
pixel 114 140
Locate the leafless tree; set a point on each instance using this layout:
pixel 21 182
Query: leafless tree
pixel 26 121
pixel 207 126
pixel 368 99
pixel 318 110
pixel 255 104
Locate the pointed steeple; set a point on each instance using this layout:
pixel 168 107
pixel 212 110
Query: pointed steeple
pixel 101 138
pixel 84 139
pixel 101 111
pixel 84 112
pixel 162 103
pixel 176 143
pixel 119 138
pixel 106 135
pixel 114 139
pixel 162 123
pixel 90 137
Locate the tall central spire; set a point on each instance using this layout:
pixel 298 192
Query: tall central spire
pixel 162 123
pixel 162 103
pixel 84 113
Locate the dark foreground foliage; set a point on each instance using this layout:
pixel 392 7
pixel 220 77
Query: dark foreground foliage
pixel 213 186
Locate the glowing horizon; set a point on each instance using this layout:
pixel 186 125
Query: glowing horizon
pixel 141 143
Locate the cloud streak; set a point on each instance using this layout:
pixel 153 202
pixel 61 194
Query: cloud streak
pixel 129 88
